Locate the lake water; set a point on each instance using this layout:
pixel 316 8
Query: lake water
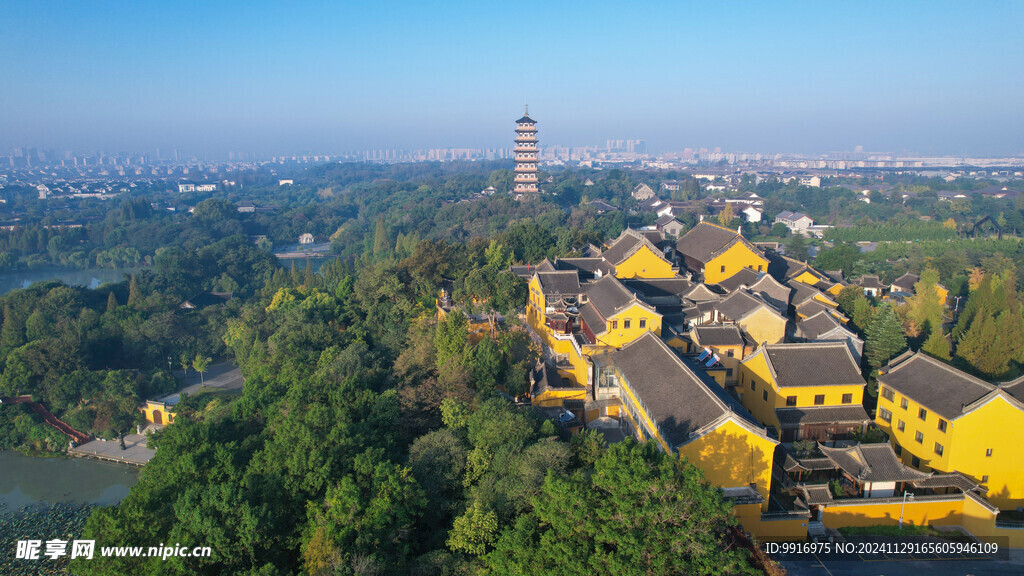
pixel 90 278
pixel 29 481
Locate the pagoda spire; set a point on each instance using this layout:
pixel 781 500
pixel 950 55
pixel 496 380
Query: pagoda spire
pixel 526 157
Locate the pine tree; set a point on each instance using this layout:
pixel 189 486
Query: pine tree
pixel 134 295
pixel 796 248
pixel 975 345
pixel 111 303
pixel 883 337
pixel 308 276
pixel 381 243
pixel 936 345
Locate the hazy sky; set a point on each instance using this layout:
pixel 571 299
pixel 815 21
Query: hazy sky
pixel 283 77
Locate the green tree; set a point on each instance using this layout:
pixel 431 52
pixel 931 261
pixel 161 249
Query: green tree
pixel 12 333
pixel 474 531
pixel 381 242
pixel 883 337
pixel 134 295
pixel 925 307
pixel 487 365
pixel 936 345
pixel 111 302
pixel 796 248
pixel 639 512
pixel 200 363
pixel 451 338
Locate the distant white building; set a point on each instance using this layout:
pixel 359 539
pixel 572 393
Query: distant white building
pixel 751 214
pixel 813 181
pixel 186 188
pixel 287 182
pixel 797 222
pixel 206 187
pixel 642 192
pixel 246 207
pixel 306 238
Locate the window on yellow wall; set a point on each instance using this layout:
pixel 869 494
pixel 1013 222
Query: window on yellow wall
pixel 901 425
pixel 764 395
pixel 790 400
pixel 888 394
pixel 759 267
pixel 903 403
pixel 615 324
pixel 643 323
pixel 753 385
pixel 915 462
pixel 885 414
pixel 847 398
pixel 942 425
pixel 938 449
pixel 988 453
pixel 918 437
pixel 984 479
pixel 626 323
pixel 723 268
pixel 819 400
pixel 922 414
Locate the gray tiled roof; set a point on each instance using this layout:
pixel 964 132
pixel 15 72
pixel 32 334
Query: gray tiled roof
pixel 659 287
pixel 744 277
pixel 718 336
pixel 772 292
pixel 608 295
pixel 934 384
pixel 621 248
pixel 816 325
pixel 701 293
pixel 947 480
pixel 739 304
pixel 802 292
pixel 817 494
pixel 1015 388
pixel 588 265
pixel 563 282
pixel 870 282
pixel 871 463
pixel 704 240
pixel 593 318
pixel 674 396
pixel 789 417
pixel 812 364
pixel 906 282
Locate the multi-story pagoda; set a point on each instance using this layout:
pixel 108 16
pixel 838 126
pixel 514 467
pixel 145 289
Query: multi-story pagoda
pixel 526 156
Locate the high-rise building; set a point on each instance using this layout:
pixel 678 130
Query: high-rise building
pixel 526 156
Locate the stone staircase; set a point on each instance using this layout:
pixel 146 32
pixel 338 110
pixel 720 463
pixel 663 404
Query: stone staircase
pixel 816 531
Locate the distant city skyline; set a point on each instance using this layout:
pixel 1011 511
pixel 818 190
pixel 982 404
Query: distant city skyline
pixel 926 78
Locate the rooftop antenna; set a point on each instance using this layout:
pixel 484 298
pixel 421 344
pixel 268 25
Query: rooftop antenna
pixel 527 110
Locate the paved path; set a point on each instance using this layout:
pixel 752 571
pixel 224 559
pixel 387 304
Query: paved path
pixel 135 452
pixel 223 375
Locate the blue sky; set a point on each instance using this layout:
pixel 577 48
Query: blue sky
pixel 277 77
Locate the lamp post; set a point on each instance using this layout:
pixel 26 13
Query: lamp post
pixel 905 494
